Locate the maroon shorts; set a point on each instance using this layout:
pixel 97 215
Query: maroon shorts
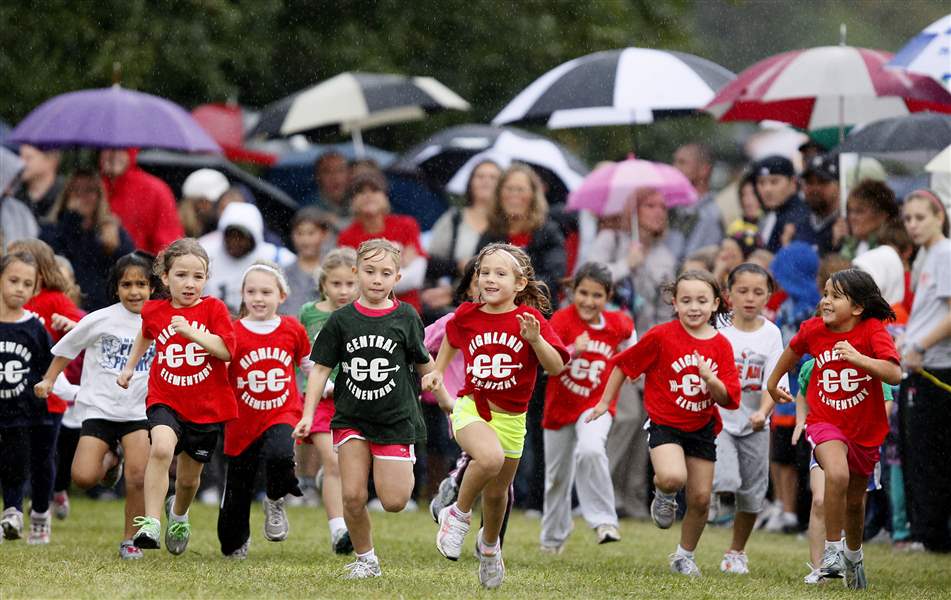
pixel 862 459
pixel 381 451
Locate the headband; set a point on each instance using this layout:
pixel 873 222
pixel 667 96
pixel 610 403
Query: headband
pixel 510 255
pixel 929 195
pixel 281 280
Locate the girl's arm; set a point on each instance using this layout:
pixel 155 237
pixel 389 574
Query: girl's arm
pixel 802 409
pixel 432 380
pixel 787 360
pixel 758 418
pixel 611 389
pixel 717 389
pixel 139 347
pixel 885 370
pixel 446 402
pixel 912 357
pixel 315 388
pixel 207 340
pixel 42 389
pixel 530 330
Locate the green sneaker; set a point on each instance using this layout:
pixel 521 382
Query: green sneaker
pixel 176 536
pixel 149 533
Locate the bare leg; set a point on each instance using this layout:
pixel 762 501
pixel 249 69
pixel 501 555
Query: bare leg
pixel 817 517
pixel 135 447
pixel 87 470
pixel 482 445
pixel 495 498
pixel 393 481
pixel 161 453
pixel 330 491
pixel 832 457
pixel 187 480
pixel 742 528
pixel 855 511
pixel 670 468
pixel 699 487
pixel 355 459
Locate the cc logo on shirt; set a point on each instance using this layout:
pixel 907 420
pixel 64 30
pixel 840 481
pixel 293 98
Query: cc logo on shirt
pixel 497 366
pixel 274 380
pixel 174 356
pixel 590 370
pixel 691 385
pixel 12 371
pixel 377 370
pixel 847 380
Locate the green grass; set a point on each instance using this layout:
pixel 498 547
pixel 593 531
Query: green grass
pixel 82 562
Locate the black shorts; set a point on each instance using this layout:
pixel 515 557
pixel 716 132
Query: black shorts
pixel 781 450
pixel 111 432
pixel 197 440
pixel 701 443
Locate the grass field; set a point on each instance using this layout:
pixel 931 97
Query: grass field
pixel 82 562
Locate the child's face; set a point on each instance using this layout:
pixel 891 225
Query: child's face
pixel 185 280
pixel 775 189
pixel 133 289
pixel 261 295
pixel 590 298
pixel 836 308
pixel 17 284
pixel 694 303
pixel 378 275
pixel 307 238
pixel 498 281
pixel 340 286
pixel 749 295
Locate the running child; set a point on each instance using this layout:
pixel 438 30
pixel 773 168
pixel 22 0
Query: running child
pixel 742 466
pixel 263 373
pixel 689 370
pixel 575 453
pixel 189 396
pixel 376 340
pixel 111 416
pixel 337 283
pixel 504 339
pixel 27 428
pixel 846 424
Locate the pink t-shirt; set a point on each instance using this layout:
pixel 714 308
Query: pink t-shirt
pixel 455 376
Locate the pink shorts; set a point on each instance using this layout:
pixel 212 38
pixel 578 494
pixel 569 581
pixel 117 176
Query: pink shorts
pixel 862 459
pixel 322 416
pixel 381 451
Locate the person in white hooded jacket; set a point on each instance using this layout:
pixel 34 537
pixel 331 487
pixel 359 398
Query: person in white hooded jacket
pixel 233 247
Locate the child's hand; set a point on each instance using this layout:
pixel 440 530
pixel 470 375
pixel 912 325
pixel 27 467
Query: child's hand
pixel 529 327
pixel 180 325
pixel 42 389
pixel 706 373
pixel 302 430
pixel 780 396
pixel 848 353
pixel 797 432
pixel 758 420
pixel 61 323
pixel 431 381
pixel 581 342
pixel 124 377
pixel 599 409
pixel 446 402
pixel 912 360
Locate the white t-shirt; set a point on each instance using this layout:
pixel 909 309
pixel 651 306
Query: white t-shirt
pixel 107 336
pixel 932 292
pixel 756 354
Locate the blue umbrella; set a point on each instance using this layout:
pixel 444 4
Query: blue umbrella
pixel 112 118
pixel 929 52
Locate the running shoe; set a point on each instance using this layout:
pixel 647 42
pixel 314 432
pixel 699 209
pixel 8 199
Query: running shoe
pixel 177 533
pixel 545 549
pixel 128 551
pixel 491 566
pixel 275 520
pixel 242 552
pixel 340 542
pixel 12 523
pixel 149 534
pixel 854 574
pixel 607 534
pixel 60 505
pixel 664 510
pixel 40 528
pixel 363 568
pixel 735 562
pixel 113 473
pixel 833 563
pixel 814 577
pixel 446 494
pixel 452 533
pixel 683 565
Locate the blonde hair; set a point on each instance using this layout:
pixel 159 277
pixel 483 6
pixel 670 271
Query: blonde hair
pixel 537 212
pixel 371 248
pixel 264 266
pixel 336 258
pixel 47 269
pixel 536 292
pixel 74 293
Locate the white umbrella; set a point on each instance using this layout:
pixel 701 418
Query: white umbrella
pixel 940 163
pixel 929 52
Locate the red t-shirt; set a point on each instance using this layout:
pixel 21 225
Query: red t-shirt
pixel 522 240
pixel 263 375
pixel 580 385
pixel 500 365
pixel 46 304
pixel 674 394
pixel 184 376
pixel 840 393
pixel 401 230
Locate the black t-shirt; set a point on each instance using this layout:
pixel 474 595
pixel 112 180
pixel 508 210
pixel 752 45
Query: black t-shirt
pixel 377 389
pixel 24 357
pixel 42 206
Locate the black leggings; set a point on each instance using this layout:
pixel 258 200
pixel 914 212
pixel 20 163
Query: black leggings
pixel 28 452
pixel 65 451
pixel 275 449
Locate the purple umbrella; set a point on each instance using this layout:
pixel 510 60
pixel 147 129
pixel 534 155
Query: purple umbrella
pixel 112 118
pixel 607 189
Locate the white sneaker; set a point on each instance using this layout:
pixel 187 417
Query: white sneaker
pixel 363 568
pixel 452 533
pixel 767 514
pixel 833 563
pixel 544 548
pixel 664 510
pixel 735 562
pixel 12 523
pixel 814 577
pixel 683 565
pixel 275 520
pixel 40 528
pixel 491 566
pixel 607 533
pixel 242 552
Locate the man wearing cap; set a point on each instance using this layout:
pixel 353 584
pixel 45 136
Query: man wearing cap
pixel 821 191
pixel 199 210
pixel 786 216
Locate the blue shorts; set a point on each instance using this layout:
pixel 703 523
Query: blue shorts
pixel 874 480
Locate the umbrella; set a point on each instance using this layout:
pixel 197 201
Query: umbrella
pixel 294 170
pixel 617 87
pixel 916 137
pixel 357 101
pixel 225 123
pixel 828 86
pixel 928 53
pixel 112 117
pixel 940 163
pixel 607 189
pixel 4 133
pixel 447 158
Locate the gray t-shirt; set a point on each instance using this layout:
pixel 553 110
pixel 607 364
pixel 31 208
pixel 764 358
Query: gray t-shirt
pixel 932 293
pixel 467 239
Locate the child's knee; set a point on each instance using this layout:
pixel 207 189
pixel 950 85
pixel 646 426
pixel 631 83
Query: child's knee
pixel 163 452
pixel 837 476
pixel 394 501
pixel 84 478
pixel 491 461
pixel 818 504
pixel 699 501
pixel 671 481
pixel 354 500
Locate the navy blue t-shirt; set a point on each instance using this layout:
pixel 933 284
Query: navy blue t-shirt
pixel 24 357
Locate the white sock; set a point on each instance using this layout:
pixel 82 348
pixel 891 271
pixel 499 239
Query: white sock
pixel 682 552
pixel 368 555
pixel 336 524
pixel 459 513
pixel 854 555
pixel 178 518
pixel 838 545
pixel 487 549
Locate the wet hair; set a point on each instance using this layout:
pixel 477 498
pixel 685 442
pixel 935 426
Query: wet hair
pixel 371 248
pixel 461 293
pixel 336 258
pixel 177 249
pixel 859 287
pixel 19 256
pixel 265 266
pixel 877 195
pixel 597 272
pixel 753 269
pixel 536 292
pixel 937 207
pixel 722 312
pixel 134 260
pixel 48 272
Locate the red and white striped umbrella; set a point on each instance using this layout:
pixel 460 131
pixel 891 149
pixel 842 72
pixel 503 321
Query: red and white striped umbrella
pixel 828 86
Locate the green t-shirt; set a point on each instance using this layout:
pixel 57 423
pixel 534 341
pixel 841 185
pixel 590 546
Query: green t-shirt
pixel 377 389
pixel 805 373
pixel 313 319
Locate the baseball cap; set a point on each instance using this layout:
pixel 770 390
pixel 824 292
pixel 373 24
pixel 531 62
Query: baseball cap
pixel 774 165
pixel 205 183
pixel 824 166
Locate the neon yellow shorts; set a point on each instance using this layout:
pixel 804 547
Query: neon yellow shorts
pixel 510 429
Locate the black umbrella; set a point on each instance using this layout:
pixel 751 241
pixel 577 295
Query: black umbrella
pixel 917 137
